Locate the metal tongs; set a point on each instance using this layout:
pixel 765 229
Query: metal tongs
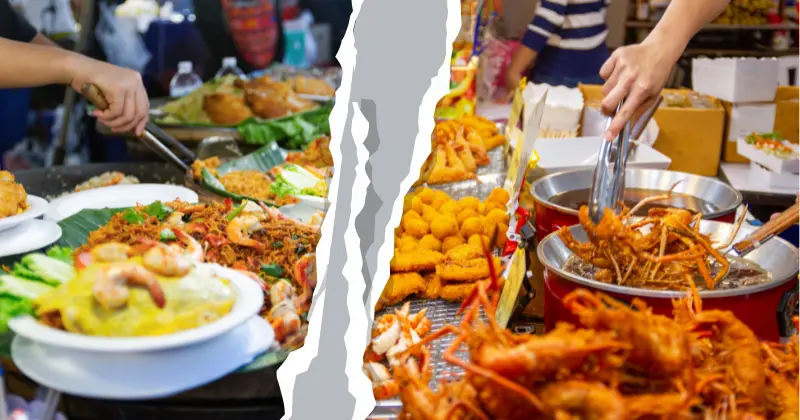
pixel 153 135
pixel 608 181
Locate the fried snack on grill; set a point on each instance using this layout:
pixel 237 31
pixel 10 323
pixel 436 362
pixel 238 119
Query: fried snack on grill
pixel 456 292
pixel 312 86
pixel 419 260
pixel 226 108
pixel 399 287
pixel 13 198
pixel 458 148
pixel 465 263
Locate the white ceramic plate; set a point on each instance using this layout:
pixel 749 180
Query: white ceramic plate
pixel 316 98
pixel 303 210
pixel 37 206
pixel 28 236
pixel 144 375
pixel 249 298
pixel 117 196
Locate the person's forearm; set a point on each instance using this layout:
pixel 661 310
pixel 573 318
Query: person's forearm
pixel 42 40
pixel 522 60
pixel 29 65
pixel 681 21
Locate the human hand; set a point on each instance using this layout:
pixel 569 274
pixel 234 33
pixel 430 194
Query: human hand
pixel 775 215
pixel 129 106
pixel 635 74
pixel 513 78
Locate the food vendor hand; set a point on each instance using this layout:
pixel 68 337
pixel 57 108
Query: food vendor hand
pixel 775 215
pixel 636 74
pixel 512 82
pixel 128 105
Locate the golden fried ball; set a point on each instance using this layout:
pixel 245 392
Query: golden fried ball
pixel 497 216
pixel 499 195
pixel 492 206
pixel 416 204
pixel 469 203
pixel 479 241
pixel 451 207
pixel 465 214
pixel 451 242
pixel 430 242
pixel 426 195
pixel 472 226
pixel 501 238
pixel 482 209
pixel 444 226
pixel 417 228
pixel 407 243
pixel 428 213
pixel 410 215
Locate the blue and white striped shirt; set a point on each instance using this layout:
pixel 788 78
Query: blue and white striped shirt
pixel 569 37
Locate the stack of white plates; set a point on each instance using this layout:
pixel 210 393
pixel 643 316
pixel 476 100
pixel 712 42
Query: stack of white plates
pixel 145 367
pixel 25 232
pixel 117 196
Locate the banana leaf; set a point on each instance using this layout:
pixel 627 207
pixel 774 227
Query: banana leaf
pixel 262 160
pixel 293 132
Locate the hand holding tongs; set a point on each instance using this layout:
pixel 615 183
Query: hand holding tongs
pixel 608 181
pixel 151 135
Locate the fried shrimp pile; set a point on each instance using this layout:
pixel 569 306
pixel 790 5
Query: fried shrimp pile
pixel 13 198
pixel 664 250
pixel 617 362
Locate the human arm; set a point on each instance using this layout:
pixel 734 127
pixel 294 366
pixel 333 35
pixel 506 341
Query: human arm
pixel 33 65
pixel 637 73
pixel 548 19
pixel 42 40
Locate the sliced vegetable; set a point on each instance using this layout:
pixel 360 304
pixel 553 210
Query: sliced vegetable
pixel 236 211
pixel 50 270
pixel 11 307
pixel 167 235
pixel 272 270
pixel 22 288
pixel 62 253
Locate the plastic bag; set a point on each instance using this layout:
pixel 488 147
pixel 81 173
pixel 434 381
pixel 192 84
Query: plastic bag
pixel 120 40
pixel 301 48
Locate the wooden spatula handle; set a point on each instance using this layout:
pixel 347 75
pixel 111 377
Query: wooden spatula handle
pixel 93 94
pixel 772 228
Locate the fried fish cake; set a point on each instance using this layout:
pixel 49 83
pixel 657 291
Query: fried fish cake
pixel 399 287
pixel 226 108
pixel 465 263
pixel 456 292
pixel 418 260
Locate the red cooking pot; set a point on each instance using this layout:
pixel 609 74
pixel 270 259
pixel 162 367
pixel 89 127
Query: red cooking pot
pixel 766 308
pixel 558 196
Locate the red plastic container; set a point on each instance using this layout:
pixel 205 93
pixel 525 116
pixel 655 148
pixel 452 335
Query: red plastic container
pixel 766 308
pixel 550 217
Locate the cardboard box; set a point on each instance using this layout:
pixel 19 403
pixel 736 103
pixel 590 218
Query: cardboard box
pixel 736 80
pixel 741 120
pixel 787 112
pixel 691 137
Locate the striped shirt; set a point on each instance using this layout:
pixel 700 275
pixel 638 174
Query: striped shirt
pixel 569 37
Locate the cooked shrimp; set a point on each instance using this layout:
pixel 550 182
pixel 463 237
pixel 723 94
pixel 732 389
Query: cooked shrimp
pixel 175 219
pixel 111 287
pixel 383 386
pixel 164 260
pixel 240 228
pixel 284 320
pixel 108 252
pixel 586 400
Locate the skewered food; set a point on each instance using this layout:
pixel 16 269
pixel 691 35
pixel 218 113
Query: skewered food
pixel 619 362
pixel 458 148
pixel 13 198
pixel 438 245
pixel 145 290
pixel 671 254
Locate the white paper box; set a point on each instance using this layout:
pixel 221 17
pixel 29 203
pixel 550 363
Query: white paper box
pixel 746 119
pixel 769 161
pixel 736 79
pixel 563 107
pixel 557 155
pixel 594 125
pixel 773 179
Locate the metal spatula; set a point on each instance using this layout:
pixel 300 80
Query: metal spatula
pixel 153 135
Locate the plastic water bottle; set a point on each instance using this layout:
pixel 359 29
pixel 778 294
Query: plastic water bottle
pixel 229 68
pixel 185 80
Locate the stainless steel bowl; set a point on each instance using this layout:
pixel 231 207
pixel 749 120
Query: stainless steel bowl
pixel 725 198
